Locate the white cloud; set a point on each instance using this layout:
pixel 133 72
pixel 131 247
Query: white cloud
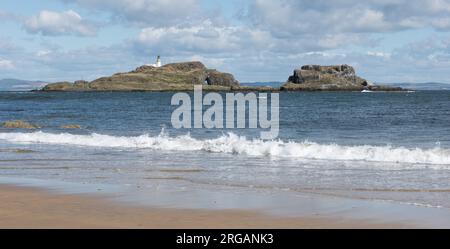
pixel 293 17
pixel 59 23
pixel 233 40
pixel 442 23
pixel 42 53
pixel 433 52
pixel 204 38
pixel 6 64
pixel 146 12
pixel 379 54
pixel 323 54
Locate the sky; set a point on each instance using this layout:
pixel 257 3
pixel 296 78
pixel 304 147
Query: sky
pixel 256 40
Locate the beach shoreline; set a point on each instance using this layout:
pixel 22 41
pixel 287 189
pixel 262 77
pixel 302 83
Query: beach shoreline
pixel 28 207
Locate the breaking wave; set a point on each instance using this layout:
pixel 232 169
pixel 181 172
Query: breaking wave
pixel 235 144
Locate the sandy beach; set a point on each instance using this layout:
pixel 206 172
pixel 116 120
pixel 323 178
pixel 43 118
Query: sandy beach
pixel 23 207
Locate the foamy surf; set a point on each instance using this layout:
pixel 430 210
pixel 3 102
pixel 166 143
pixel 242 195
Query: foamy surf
pixel 234 144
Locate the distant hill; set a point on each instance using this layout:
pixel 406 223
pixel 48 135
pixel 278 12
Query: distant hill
pixel 429 86
pixel 20 85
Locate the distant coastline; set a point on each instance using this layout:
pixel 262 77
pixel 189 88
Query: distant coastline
pixel 18 85
pixel 427 86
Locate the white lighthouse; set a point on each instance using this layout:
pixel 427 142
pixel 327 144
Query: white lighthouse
pixel 157 64
pixel 158 61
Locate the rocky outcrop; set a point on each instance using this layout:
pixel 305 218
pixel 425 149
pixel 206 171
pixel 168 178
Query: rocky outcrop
pixel 19 124
pixel 70 126
pixel 330 78
pixel 216 78
pixel 316 73
pixel 170 77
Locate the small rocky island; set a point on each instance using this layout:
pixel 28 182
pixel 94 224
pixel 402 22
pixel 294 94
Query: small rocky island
pixel 182 76
pixel 330 78
pixel 170 77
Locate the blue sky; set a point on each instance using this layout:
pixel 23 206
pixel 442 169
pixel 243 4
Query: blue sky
pixel 256 40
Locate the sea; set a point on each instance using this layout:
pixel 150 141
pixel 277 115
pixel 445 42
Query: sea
pixel 380 147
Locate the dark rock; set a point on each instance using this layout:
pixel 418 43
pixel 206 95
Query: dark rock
pixel 316 73
pixel 328 78
pixel 216 78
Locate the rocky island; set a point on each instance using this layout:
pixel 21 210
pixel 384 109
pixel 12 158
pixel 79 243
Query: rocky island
pixel 170 77
pixel 330 78
pixel 182 76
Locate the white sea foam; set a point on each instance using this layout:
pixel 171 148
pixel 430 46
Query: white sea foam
pixel 234 144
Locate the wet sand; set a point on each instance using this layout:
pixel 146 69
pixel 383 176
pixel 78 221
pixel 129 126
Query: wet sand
pixel 24 207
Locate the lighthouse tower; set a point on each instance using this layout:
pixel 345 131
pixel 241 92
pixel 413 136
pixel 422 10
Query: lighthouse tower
pixel 158 61
pixel 157 64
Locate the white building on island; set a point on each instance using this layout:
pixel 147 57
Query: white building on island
pixel 157 64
